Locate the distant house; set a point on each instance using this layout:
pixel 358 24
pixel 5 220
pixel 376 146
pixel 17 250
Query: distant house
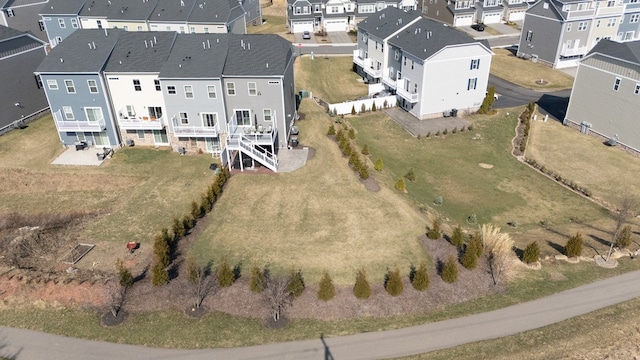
pixel 561 32
pixel 22 94
pixel 23 15
pixel 432 68
pixel 606 93
pixel 60 19
pixel 73 81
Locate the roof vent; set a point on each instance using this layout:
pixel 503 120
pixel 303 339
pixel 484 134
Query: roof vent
pixel 267 65
pixel 61 60
pixel 400 21
pixel 545 5
pixel 182 3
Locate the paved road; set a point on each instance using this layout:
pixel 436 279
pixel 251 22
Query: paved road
pixel 25 344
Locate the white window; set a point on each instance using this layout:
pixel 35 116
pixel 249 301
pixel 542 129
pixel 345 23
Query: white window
pixel 266 115
pixel 52 84
pixel 316 8
pixel 475 64
pixel 582 6
pixel 68 113
pixel 139 27
pixel 529 35
pixel 335 9
pixel 58 39
pixel 634 18
pixel 306 10
pixel 10 13
pixel 598 23
pixel 209 119
pixel 364 38
pixel 171 90
pixel 188 91
pixel 156 82
pixel 71 89
pixel 94 114
pixel 206 30
pixel 243 117
pixel 93 86
pixel 136 85
pixel 397 55
pixel 611 3
pixel 582 26
pixel 184 118
pixel 616 84
pixel 211 90
pixel 611 23
pixel 253 91
pixel 298 10
pixel 192 29
pixel 74 23
pixel 155 112
pixel 637 89
pixel 569 27
pixel 126 28
pixel 61 23
pixel 471 84
pixel 130 111
pixel 140 134
pixel 41 25
pixel 231 88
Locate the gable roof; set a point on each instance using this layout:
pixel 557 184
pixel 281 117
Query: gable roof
pixel 14 42
pixel 172 10
pixel 627 51
pixel 141 51
pixel 553 9
pixel 63 7
pixel 384 23
pixel 213 11
pixel 196 56
pixel 119 9
pixel 426 37
pixel 257 55
pixel 74 56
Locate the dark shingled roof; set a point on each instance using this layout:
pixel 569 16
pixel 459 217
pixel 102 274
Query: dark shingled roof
pixel 257 55
pixel 196 56
pixel 141 51
pixel 208 11
pixel 426 37
pixel 553 10
pixel 62 7
pixel 172 10
pixel 627 51
pixel 119 9
pixel 14 42
pixel 76 55
pixel 386 22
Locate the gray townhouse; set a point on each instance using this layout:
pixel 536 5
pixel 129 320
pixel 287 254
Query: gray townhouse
pixel 432 68
pixel 22 94
pixel 561 32
pixel 468 12
pixel 606 93
pixel 220 16
pixel 60 19
pixel 135 93
pixel 123 14
pixel 72 78
pixel 23 15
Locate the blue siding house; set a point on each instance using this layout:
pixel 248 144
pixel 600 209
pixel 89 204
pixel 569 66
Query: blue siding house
pixel 76 91
pixel 60 19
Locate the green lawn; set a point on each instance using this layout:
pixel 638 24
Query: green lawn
pixel 342 85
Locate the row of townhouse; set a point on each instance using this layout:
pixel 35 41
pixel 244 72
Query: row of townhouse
pixel 431 67
pixel 336 15
pixel 226 94
pixel 60 18
pixel 23 15
pixel 561 32
pixel 606 93
pixel 469 12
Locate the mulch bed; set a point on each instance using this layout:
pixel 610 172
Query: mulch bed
pixel 109 320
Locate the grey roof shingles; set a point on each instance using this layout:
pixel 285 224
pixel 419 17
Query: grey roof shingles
pixel 118 9
pixel 426 37
pixel 384 23
pixel 62 7
pixel 74 56
pixel 627 51
pixel 213 11
pixel 257 55
pixel 172 11
pixel 552 11
pixel 196 56
pixel 13 42
pixel 141 51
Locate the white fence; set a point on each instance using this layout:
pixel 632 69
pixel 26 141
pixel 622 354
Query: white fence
pixel 346 107
pixel 375 88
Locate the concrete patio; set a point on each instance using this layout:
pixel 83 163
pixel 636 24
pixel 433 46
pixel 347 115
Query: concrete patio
pixel 292 159
pixel 86 157
pixel 415 126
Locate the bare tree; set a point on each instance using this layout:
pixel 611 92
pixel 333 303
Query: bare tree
pixel 200 278
pixel 117 290
pixel 498 247
pixel 628 208
pixel 277 297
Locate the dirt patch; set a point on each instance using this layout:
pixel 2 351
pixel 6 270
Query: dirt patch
pixel 485 166
pixel 371 184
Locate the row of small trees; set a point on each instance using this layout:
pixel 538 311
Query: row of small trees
pixel 344 138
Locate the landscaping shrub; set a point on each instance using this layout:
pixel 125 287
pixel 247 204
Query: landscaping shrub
pixel 195 210
pixel 400 185
pixel 353 110
pixel 469 258
pixel 457 238
pixel 187 223
pixel 419 277
pixel 365 149
pixel 450 270
pixel 296 283
pixel 624 238
pixel 332 130
pixel 326 291
pixel 574 246
pixel 445 132
pixel 363 108
pixel 362 288
pixel 434 231
pixel 159 273
pixel 410 175
pixel 226 277
pixel 373 107
pixel 438 133
pixel 393 282
pixel 352 134
pixel 353 159
pixel 531 253
pixel 455 130
pixel 125 278
pixel 161 249
pixel 339 135
pixel 429 134
pixel 470 127
pixel 378 165
pixel 364 172
pixel 178 229
pixel 257 281
pixel 479 246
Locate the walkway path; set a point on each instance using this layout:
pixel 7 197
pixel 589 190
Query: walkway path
pixel 26 344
